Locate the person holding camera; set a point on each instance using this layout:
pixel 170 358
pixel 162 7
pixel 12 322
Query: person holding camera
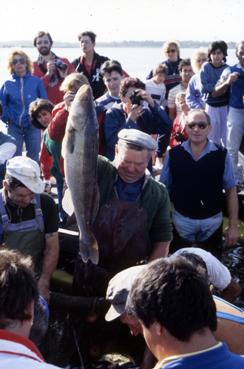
pixel 137 110
pixel 51 68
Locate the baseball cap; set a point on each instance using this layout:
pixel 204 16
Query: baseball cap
pixel 27 171
pixel 118 289
pixel 139 138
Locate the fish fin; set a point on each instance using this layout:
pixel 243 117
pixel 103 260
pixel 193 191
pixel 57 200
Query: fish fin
pixel 94 252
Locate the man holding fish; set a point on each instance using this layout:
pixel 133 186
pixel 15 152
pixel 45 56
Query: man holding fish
pixel 123 215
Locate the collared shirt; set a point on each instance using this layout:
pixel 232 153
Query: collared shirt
pixel 228 178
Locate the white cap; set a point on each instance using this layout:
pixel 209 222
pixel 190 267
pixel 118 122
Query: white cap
pixel 118 289
pixel 27 171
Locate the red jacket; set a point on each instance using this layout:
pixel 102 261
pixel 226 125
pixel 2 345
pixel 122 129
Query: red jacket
pixel 53 92
pixel 56 128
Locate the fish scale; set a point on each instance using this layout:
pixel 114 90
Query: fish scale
pixel 80 151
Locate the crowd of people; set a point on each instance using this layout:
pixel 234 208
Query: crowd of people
pixel 168 150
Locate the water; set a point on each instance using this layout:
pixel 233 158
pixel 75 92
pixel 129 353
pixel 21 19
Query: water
pixel 136 61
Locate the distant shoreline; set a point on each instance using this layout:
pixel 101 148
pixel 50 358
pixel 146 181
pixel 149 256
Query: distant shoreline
pixel 58 44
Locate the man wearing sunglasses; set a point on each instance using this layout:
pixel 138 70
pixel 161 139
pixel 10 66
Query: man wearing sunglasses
pixel 196 173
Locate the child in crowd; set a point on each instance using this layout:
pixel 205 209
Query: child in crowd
pixel 178 134
pixel 50 159
pixel 155 86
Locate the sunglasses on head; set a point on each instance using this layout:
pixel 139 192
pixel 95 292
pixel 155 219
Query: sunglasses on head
pixel 19 60
pixel 171 51
pixel 201 125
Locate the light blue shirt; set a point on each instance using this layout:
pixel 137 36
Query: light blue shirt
pixel 228 178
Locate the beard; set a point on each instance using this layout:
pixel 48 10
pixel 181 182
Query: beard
pixel 44 51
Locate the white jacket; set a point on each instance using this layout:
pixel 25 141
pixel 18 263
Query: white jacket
pixel 20 353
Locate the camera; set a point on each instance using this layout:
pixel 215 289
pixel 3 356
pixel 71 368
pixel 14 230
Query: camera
pixel 136 99
pixel 60 65
pixel 179 137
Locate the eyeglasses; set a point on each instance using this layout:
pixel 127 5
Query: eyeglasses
pixel 200 125
pixel 20 60
pixel 171 51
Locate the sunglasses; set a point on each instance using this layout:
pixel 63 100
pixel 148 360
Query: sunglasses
pixel 171 51
pixel 20 61
pixel 200 125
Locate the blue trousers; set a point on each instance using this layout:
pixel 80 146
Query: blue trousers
pixel 31 136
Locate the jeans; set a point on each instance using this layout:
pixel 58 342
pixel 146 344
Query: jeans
pixel 31 136
pixel 235 131
pixel 196 230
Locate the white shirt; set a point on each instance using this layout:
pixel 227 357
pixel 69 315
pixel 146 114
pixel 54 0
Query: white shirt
pixel 218 275
pixel 17 352
pixel 7 151
pixel 157 91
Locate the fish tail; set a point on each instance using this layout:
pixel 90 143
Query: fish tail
pixel 89 251
pixel 84 252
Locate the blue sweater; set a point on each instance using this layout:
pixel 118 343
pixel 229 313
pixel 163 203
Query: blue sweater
pixel 194 97
pixel 216 358
pixel 209 77
pixel 237 88
pixel 16 95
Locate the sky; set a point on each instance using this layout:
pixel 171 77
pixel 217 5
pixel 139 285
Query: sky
pixel 118 20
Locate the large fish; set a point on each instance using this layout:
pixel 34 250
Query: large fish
pixel 80 150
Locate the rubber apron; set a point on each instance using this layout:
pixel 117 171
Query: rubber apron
pixel 121 230
pixel 26 236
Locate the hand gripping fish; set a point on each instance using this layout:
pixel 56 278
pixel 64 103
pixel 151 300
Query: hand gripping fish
pixel 80 150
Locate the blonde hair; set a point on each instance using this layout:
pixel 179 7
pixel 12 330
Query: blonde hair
pixel 199 52
pixel 21 53
pixel 170 43
pixel 73 81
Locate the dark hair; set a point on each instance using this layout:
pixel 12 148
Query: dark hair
pixel 222 45
pixel 128 82
pixel 18 287
pixel 207 116
pixel 90 34
pixel 41 34
pixel 184 63
pixel 110 66
pixel 36 107
pixel 13 182
pixel 171 292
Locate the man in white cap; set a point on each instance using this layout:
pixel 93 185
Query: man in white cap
pixel 28 218
pixel 133 222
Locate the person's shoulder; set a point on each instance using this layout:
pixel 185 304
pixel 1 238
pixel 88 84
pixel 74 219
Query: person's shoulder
pixel 102 58
pixel 104 168
pixel 175 90
pixel 33 78
pixel 155 187
pixel 103 98
pixel 47 200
